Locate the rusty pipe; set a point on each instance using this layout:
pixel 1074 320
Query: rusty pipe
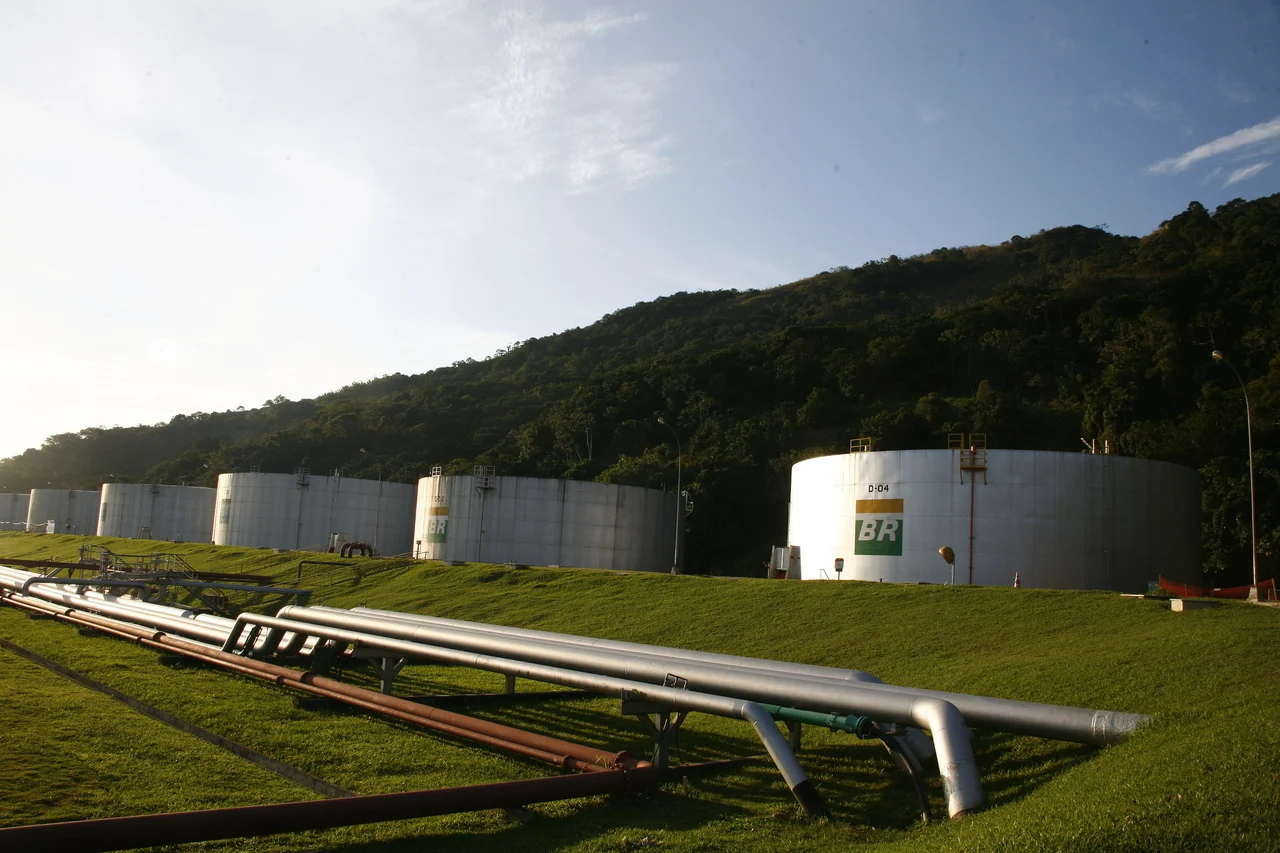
pixel 689 700
pixel 568 762
pixel 528 744
pixel 49 610
pixel 124 833
pixel 541 747
pixel 491 735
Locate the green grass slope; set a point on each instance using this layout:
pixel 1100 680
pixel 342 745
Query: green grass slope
pixel 1204 776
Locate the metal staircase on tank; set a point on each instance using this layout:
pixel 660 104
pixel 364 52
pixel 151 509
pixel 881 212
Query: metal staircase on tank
pixel 485 480
pixel 973 453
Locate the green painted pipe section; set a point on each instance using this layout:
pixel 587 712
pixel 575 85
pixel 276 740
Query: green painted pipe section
pixel 860 726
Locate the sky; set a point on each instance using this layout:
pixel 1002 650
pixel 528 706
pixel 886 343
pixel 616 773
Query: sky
pixel 208 203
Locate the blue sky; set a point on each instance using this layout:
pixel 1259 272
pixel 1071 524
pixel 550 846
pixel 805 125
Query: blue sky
pixel 206 204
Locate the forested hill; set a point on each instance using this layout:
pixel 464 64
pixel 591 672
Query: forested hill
pixel 1041 341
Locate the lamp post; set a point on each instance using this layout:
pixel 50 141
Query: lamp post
pixel 675 557
pixel 950 556
pixel 1253 511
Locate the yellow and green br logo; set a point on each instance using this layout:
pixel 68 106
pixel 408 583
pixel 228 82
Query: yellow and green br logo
pixel 878 525
pixel 438 524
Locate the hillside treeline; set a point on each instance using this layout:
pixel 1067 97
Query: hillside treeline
pixel 1039 342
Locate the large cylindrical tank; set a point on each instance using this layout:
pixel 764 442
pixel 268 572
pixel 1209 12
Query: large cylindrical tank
pixel 13 510
pixel 1056 520
pixel 70 510
pixel 544 522
pixel 303 512
pixel 153 511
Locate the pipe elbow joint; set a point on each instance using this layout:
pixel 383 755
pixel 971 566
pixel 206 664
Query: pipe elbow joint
pixel 797 780
pixel 233 635
pixel 956 763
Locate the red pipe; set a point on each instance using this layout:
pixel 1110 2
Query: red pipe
pixel 973 482
pixel 529 744
pixel 126 833
pixel 230 577
pixel 491 734
pixel 50 564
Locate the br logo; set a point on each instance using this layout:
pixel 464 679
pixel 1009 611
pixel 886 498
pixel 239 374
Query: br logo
pixel 877 526
pixel 438 524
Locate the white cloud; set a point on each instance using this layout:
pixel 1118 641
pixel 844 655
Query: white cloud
pixel 929 114
pixel 1244 138
pixel 615 135
pixel 1234 92
pixel 1064 47
pixel 223 197
pixel 541 112
pixel 1147 103
pixel 1245 173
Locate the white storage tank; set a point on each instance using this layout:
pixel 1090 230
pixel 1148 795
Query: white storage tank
pixel 304 512
pixel 153 511
pixel 13 510
pixel 544 522
pixel 70 510
pixel 1055 520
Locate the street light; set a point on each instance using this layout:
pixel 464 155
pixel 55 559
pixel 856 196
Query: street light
pixel 675 557
pixel 950 556
pixel 1253 511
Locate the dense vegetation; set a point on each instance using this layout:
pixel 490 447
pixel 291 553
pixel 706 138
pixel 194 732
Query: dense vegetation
pixel 1041 341
pixel 1200 777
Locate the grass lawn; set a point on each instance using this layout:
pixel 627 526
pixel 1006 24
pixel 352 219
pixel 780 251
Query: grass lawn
pixel 1204 776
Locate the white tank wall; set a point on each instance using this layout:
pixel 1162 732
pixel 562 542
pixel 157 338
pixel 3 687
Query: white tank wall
pixel 13 510
pixel 545 522
pixel 150 511
pixel 1058 520
pixel 74 510
pixel 258 510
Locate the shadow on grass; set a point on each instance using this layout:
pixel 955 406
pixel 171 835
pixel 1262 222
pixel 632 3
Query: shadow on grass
pixel 862 785
pixel 635 815
pixel 863 782
pixel 857 779
pixel 1015 765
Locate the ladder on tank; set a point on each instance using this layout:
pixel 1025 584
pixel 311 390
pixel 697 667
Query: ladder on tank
pixel 973 453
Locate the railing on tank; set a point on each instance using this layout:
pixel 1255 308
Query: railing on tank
pixel 973 452
pixel 859 445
